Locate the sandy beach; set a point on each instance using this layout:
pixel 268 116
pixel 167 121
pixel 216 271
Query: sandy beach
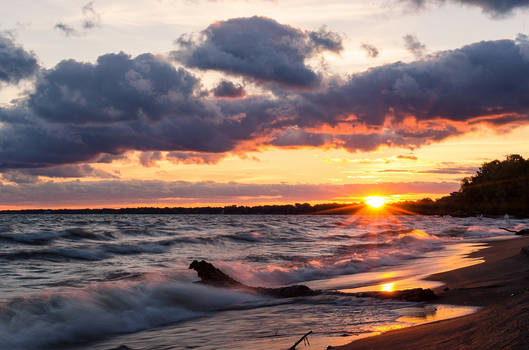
pixel 500 285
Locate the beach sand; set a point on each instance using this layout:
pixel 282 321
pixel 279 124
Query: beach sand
pixel 500 285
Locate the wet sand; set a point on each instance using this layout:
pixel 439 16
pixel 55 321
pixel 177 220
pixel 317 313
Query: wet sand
pixel 500 286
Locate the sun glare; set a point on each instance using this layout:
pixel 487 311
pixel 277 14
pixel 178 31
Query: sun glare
pixel 387 287
pixel 375 201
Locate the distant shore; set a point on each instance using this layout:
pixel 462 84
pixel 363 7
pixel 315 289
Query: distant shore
pixel 500 285
pixel 398 208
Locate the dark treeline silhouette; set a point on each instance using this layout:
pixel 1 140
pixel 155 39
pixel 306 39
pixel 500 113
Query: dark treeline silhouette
pixel 498 188
pixel 286 209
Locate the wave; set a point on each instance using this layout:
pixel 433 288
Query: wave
pixel 344 260
pixel 46 237
pixel 83 315
pixel 97 253
pixel 57 254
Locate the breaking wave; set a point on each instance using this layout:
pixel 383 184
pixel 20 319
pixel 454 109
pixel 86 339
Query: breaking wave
pixel 83 315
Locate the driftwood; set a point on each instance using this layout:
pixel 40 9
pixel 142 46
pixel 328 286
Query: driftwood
pixel 303 338
pixel 212 276
pixel 521 232
pixel 416 294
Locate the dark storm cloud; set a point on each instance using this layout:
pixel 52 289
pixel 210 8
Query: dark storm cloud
pixel 228 89
pixel 91 112
pixel 371 50
pixel 297 137
pixel 258 48
pixel 127 192
pixel 483 79
pixel 80 110
pixel 496 8
pixel 116 88
pixel 15 62
pixel 414 46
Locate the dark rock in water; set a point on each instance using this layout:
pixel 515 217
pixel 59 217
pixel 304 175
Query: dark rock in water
pixel 525 251
pixel 416 294
pixel 212 276
pixel 122 347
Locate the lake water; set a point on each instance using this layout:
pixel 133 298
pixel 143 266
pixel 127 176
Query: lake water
pixel 101 281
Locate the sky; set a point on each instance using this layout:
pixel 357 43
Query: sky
pixel 194 102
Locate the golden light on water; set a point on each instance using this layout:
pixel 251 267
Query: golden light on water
pixel 375 201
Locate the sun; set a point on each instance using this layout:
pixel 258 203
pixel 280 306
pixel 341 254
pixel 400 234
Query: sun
pixel 375 201
pixel 387 287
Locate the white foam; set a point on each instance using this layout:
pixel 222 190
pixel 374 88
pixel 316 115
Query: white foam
pixel 80 315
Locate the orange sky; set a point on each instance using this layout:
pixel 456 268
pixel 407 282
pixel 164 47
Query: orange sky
pixel 407 120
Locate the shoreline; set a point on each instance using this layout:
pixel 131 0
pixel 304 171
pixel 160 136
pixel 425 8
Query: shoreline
pixel 330 208
pixel 500 285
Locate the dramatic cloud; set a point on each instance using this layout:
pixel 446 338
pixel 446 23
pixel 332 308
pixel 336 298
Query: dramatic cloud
pixel 414 46
pixel 228 89
pixel 489 78
pixel 151 192
pixel 116 88
pixel 15 62
pixel 79 111
pixel 258 48
pixel 91 112
pixel 497 8
pixel 371 51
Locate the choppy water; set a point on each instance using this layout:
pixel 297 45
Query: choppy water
pixel 99 281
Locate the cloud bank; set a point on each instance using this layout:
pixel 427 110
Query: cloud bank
pixel 257 48
pixel 15 62
pixel 85 112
